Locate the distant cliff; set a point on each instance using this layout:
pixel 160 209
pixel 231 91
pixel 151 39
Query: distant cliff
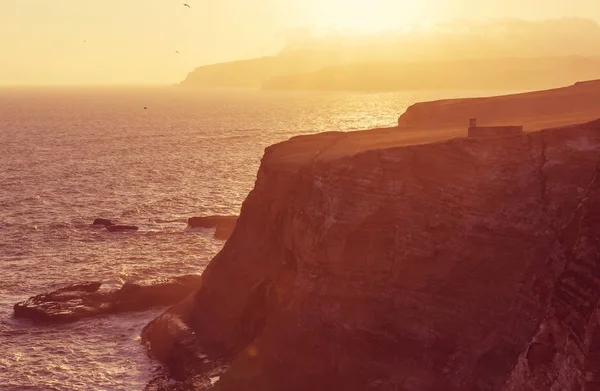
pixel 501 54
pixel 316 71
pixel 490 74
pixel 361 262
pixel 253 72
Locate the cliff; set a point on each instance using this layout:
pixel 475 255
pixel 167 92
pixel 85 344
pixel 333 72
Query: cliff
pixel 253 72
pixel 332 71
pixel 534 110
pixel 467 264
pixel 470 75
pixel 496 54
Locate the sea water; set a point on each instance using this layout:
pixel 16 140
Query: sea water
pixel 150 157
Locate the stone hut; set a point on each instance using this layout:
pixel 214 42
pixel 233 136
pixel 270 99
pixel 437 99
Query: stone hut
pixel 492 131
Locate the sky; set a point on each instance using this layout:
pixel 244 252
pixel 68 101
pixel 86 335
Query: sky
pixel 55 42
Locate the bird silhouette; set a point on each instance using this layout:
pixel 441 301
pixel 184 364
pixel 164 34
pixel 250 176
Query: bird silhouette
pixel 186 5
pixel 177 51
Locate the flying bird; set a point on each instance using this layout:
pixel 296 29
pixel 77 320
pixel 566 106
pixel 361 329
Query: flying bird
pixel 186 5
pixel 177 51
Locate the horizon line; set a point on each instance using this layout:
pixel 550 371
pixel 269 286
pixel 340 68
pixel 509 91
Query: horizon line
pixel 77 85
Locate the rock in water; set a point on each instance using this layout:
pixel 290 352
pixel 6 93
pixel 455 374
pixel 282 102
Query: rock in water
pixel 469 264
pixel 166 291
pixel 83 300
pixel 121 228
pixel 224 225
pixel 63 305
pixel 102 223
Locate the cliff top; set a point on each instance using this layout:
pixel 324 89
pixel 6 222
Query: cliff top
pixel 445 119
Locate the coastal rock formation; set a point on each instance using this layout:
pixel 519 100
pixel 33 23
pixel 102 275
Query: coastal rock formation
pixel 548 53
pixel 469 264
pixel 102 223
pixel 83 300
pixel 224 225
pixel 535 110
pixel 121 228
pixel 253 72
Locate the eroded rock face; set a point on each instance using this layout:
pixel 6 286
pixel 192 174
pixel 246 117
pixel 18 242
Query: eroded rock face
pixel 83 300
pixel 470 264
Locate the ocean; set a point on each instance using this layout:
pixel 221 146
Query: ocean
pixel 147 156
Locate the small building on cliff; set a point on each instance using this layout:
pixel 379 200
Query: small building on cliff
pixel 492 131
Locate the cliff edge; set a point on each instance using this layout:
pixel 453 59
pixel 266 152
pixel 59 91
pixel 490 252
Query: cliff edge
pixel 467 264
pixel 579 102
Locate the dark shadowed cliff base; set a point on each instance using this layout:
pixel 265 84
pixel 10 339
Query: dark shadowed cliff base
pixel 362 261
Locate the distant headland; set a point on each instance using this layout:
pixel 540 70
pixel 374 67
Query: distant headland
pixel 502 55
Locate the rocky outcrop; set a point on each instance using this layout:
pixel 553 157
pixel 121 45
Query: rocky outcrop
pixel 102 223
pixel 224 225
pixel 83 300
pixel 468 264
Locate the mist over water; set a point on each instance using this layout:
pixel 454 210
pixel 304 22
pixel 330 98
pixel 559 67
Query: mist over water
pixel 68 156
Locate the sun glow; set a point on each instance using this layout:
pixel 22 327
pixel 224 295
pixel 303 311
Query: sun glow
pixel 367 16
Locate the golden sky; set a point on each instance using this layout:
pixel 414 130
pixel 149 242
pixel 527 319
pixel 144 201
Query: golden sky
pixel 135 41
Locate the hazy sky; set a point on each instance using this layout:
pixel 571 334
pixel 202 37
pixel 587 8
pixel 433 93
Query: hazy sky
pixel 135 41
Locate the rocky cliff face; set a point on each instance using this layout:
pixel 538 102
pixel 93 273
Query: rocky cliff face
pixel 469 264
